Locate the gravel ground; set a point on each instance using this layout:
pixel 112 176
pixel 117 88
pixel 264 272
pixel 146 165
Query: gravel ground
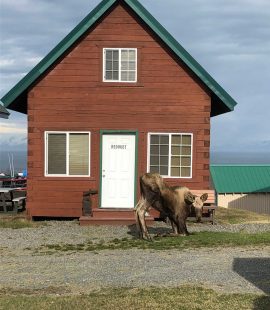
pixel 229 269
pixel 56 232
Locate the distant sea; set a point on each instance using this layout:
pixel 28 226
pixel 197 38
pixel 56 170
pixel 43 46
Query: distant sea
pixel 240 158
pixel 19 159
pixel 20 162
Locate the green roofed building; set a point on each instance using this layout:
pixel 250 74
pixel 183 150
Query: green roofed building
pixel 242 186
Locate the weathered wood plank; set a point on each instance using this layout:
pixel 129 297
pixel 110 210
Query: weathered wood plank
pixel 72 96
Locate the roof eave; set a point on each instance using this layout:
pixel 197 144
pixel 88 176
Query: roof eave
pixel 228 102
pixel 3 112
pixel 218 107
pixel 9 98
pixel 225 102
pixel 4 115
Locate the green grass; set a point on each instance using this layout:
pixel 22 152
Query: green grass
pixel 195 240
pixel 223 216
pixel 183 297
pixel 237 216
pixel 18 223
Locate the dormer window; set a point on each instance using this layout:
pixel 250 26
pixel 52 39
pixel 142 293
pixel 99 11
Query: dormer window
pixel 120 65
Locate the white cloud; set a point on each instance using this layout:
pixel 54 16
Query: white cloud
pixel 6 62
pixel 229 38
pixel 13 132
pixel 11 128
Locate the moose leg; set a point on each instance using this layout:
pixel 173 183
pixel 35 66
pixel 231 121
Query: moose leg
pixel 198 213
pixel 137 217
pixel 185 228
pixel 141 208
pixel 181 227
pixel 174 227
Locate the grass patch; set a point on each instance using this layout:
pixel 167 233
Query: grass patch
pixel 237 216
pixel 183 297
pixel 49 290
pixel 195 240
pixel 18 223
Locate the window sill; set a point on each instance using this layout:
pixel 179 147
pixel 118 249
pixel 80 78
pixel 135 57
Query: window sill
pixel 172 179
pixel 120 84
pixel 65 176
pixel 184 178
pixel 70 178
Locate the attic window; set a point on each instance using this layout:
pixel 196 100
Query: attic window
pixel 170 154
pixel 120 65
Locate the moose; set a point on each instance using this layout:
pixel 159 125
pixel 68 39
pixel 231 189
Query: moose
pixel 175 203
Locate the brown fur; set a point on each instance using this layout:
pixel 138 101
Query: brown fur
pixel 173 202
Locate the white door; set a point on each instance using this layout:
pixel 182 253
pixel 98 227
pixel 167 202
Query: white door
pixel 118 171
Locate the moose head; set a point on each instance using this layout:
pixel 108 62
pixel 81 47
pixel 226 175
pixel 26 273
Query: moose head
pixel 196 202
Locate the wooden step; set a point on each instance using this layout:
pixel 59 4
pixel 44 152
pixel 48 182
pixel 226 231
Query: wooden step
pixel 112 217
pixel 120 213
pixel 90 220
pixel 154 213
pixel 113 213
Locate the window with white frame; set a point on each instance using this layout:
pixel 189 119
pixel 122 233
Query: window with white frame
pixel 170 154
pixel 67 153
pixel 120 65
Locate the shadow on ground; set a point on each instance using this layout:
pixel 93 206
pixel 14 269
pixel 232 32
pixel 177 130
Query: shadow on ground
pixel 152 230
pixel 262 303
pixel 254 270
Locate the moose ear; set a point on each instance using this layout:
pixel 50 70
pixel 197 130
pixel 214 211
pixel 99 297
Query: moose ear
pixel 204 197
pixel 189 198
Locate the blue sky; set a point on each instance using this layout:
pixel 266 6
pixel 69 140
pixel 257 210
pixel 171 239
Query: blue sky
pixel 229 38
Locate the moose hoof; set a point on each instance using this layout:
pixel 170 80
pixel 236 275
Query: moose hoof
pixel 147 238
pixel 173 234
pixel 159 235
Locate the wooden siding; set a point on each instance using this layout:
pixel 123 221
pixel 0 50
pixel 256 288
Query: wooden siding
pixel 72 97
pixel 255 202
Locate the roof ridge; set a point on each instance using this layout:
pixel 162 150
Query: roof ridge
pixel 218 93
pixel 185 56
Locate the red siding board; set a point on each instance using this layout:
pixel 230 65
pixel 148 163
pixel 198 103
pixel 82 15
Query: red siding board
pixel 72 96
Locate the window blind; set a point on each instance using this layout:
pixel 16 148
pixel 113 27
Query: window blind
pixel 67 153
pixel 57 154
pixel 78 154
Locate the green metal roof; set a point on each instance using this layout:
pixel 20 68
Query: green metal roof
pixel 16 98
pixel 3 111
pixel 241 178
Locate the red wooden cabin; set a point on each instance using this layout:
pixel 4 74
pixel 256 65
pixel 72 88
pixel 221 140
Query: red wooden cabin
pixel 117 97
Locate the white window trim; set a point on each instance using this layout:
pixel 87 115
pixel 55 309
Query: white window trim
pixel 170 137
pixel 67 161
pixel 119 66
